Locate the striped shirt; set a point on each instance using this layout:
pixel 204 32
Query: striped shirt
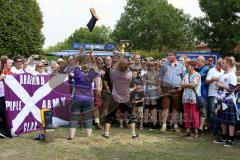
pixel 121 82
pixel 171 75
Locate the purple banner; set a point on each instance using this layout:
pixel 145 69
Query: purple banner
pixel 27 94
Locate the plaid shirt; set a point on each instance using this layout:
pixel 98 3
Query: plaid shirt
pixel 171 76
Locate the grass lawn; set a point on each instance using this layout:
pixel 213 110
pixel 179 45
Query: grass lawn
pixel 151 145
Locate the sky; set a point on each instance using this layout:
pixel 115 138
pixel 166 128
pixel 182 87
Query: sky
pixel 62 17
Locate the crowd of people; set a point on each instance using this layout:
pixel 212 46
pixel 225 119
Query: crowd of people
pixel 143 93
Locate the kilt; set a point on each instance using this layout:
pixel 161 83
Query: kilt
pixel 229 115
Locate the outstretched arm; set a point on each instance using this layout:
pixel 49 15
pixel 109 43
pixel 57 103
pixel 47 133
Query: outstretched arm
pixel 92 58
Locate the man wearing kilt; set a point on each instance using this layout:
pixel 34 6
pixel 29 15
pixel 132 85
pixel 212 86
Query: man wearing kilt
pixel 227 113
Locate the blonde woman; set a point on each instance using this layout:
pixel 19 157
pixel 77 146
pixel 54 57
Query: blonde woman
pixel 82 99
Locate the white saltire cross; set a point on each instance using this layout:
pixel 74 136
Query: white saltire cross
pixel 30 102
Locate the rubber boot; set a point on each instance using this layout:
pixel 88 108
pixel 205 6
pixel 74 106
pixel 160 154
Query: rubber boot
pixel 48 120
pixel 93 20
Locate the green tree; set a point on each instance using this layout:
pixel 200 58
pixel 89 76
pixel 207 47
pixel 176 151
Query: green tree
pixel 100 34
pixel 220 27
pixel 20 27
pixel 155 25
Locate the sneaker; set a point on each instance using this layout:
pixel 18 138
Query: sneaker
pixel 153 127
pixel 105 136
pixel 229 143
pixel 39 137
pixel 163 129
pixel 136 136
pixel 220 141
pixel 200 131
pixel 69 138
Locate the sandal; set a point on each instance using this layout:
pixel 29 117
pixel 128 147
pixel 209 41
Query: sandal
pixel 196 135
pixel 186 134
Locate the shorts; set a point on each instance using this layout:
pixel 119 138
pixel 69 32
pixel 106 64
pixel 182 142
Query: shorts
pixel 151 94
pixel 138 111
pixel 76 109
pixel 173 100
pixel 151 107
pixel 113 108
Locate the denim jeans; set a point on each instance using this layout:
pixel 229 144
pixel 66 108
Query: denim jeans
pixel 214 124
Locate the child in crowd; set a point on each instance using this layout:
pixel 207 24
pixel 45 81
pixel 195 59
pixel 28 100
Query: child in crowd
pixel 134 77
pixel 137 99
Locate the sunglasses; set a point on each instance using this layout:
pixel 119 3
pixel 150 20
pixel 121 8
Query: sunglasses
pixel 40 66
pixel 210 60
pixel 18 61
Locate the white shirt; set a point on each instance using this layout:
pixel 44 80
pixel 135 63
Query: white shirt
pixel 1 89
pixel 14 70
pixel 227 79
pixel 212 90
pixel 30 68
pixel 234 69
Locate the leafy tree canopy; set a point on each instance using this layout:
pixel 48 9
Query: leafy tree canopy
pixel 20 27
pixel 220 27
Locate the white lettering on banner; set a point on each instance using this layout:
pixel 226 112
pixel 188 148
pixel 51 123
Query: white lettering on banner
pixel 14 105
pixel 30 126
pixel 31 80
pixel 53 103
pixel 63 100
pixel 30 102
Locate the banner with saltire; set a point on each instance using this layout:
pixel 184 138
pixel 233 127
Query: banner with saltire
pixel 27 94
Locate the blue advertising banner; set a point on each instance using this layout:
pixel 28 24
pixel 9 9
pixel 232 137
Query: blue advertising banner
pixel 194 55
pixel 97 47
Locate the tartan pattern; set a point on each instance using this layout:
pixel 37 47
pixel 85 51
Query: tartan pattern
pixel 228 116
